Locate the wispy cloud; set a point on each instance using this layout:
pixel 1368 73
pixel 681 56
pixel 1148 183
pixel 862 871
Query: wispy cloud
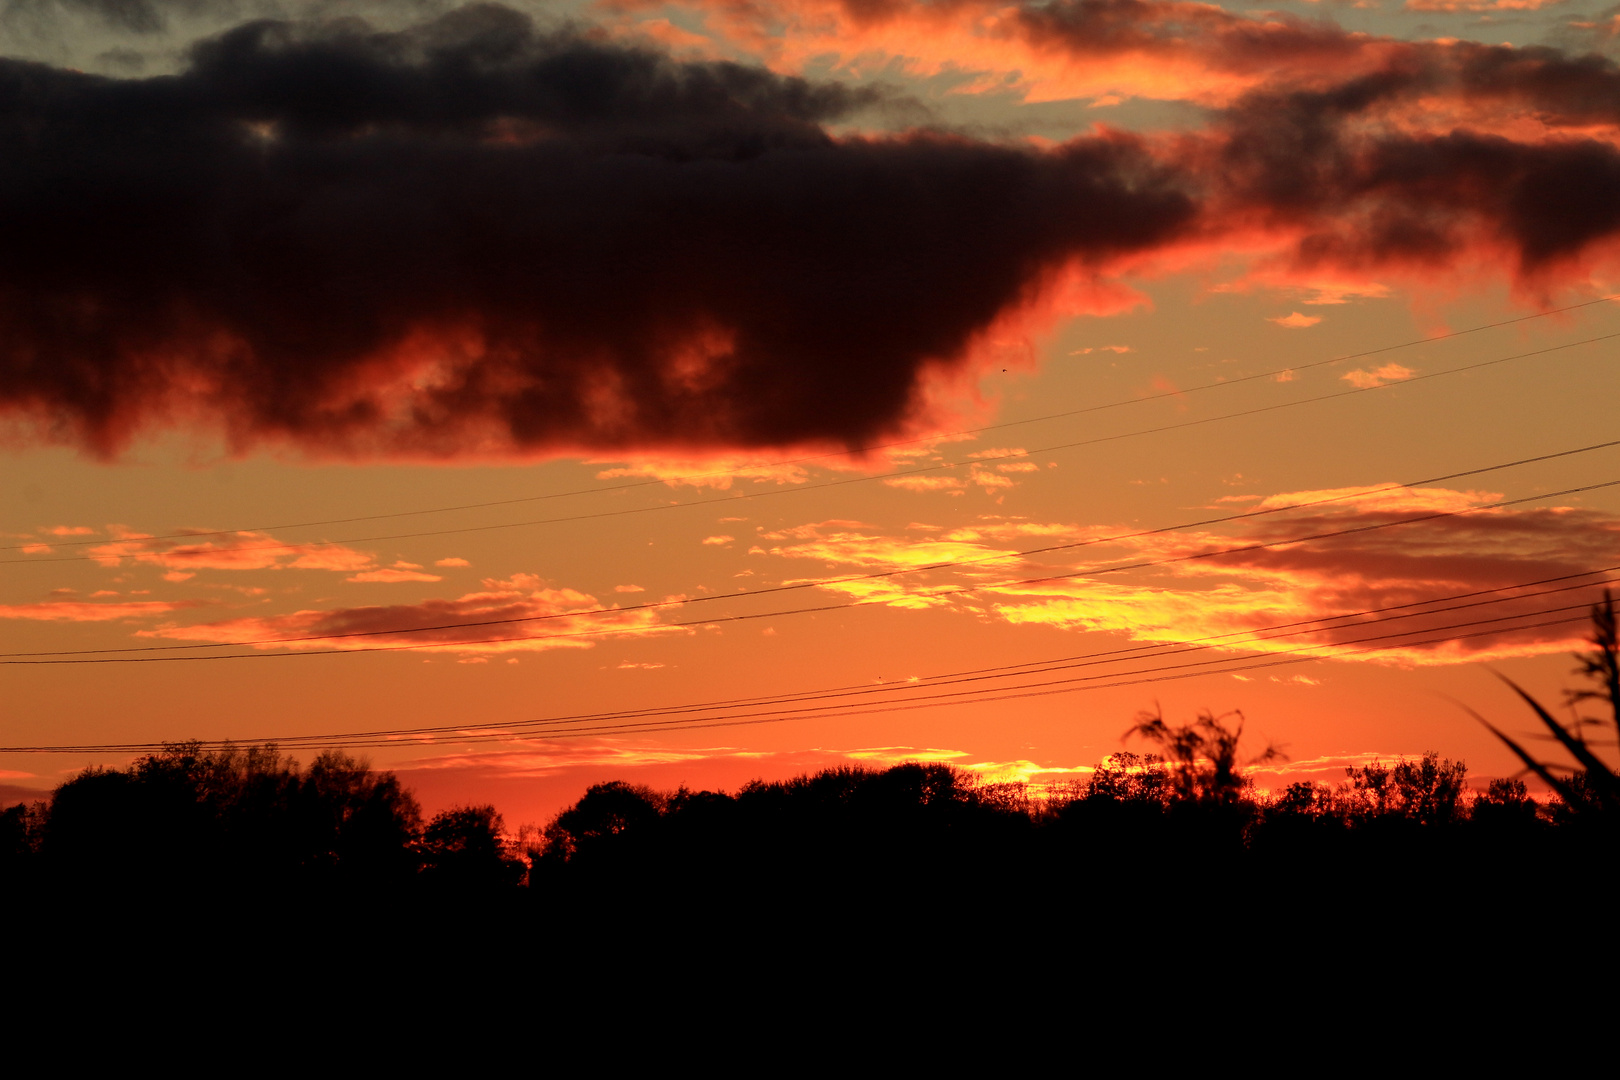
pixel 1365 380
pixel 518 614
pixel 85 611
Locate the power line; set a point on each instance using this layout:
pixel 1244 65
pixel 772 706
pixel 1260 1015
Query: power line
pixel 93 656
pixel 853 452
pixel 1153 651
pixel 635 722
pixel 1002 696
pixel 1057 686
pixel 744 496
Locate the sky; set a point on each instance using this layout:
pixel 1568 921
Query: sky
pixel 527 396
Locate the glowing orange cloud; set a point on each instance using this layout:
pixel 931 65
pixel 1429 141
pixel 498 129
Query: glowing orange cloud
pixel 1232 596
pixel 838 544
pixel 1378 377
pixel 519 614
pixel 1097 50
pixel 1236 594
pixel 718 472
pixel 82 611
pixel 252 551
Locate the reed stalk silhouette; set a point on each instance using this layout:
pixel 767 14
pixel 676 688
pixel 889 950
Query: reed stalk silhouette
pixel 1590 785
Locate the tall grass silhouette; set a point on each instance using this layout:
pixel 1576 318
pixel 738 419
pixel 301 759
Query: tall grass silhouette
pixel 1591 784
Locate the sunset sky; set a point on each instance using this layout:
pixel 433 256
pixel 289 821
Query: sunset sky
pixel 532 395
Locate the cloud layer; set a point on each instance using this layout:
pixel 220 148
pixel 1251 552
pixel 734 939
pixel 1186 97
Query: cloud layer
pixel 518 614
pixel 477 237
pixel 474 236
pixel 1172 591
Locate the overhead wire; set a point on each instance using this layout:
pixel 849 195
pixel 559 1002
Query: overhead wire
pixel 1163 649
pixel 636 722
pixel 1135 679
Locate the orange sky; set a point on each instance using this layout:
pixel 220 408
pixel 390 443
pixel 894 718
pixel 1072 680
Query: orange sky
pixel 1019 370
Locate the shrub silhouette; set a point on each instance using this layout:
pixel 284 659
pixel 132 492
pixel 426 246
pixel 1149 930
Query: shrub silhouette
pixel 1506 806
pixel 1429 791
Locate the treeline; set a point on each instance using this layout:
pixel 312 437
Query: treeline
pixel 1142 807
pixel 1147 849
pixel 1176 832
pixel 187 821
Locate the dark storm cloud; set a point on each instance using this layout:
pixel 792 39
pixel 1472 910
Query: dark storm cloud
pixel 475 236
pixel 478 236
pixel 1354 166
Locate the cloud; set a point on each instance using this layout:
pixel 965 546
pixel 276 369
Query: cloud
pixel 1104 50
pixel 1183 595
pixel 501 240
pixel 80 611
pixel 452 561
pixel 230 551
pixel 1479 5
pixel 1296 320
pixel 718 541
pixel 715 472
pixel 486 239
pixel 1365 380
pixel 856 550
pixel 392 574
pixel 1236 594
pixel 833 542
pixel 546 618
pixel 1337 157
pixel 927 483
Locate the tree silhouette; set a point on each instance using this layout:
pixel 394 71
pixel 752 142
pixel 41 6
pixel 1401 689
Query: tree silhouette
pixel 606 810
pixel 465 847
pixel 230 816
pixel 1129 778
pixel 1202 755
